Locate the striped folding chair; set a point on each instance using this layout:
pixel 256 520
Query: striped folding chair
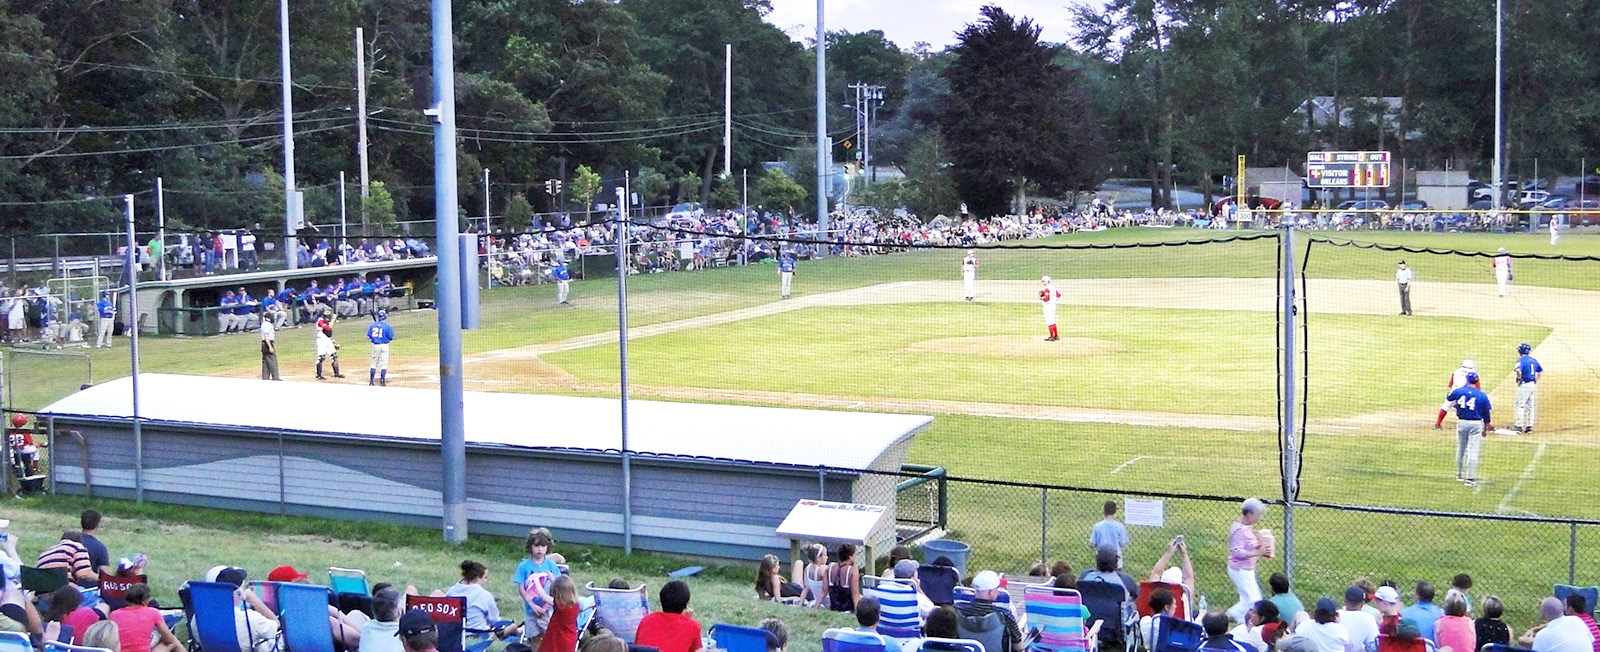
pixel 1060 620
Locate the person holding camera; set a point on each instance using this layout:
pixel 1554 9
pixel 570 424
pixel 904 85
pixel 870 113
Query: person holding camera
pixel 1182 575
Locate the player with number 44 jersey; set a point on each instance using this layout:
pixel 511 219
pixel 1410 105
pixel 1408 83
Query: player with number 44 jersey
pixel 1472 417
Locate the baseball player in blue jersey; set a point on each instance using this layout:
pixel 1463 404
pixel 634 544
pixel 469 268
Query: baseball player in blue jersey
pixel 786 273
pixel 1472 417
pixel 380 334
pixel 106 308
pixel 563 277
pixel 1528 372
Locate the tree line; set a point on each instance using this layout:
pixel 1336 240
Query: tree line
pixel 100 98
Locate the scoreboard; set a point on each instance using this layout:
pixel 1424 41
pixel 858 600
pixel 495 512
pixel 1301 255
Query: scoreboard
pixel 1347 169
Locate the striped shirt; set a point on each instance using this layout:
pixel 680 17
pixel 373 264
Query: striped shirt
pixel 1242 546
pixel 67 554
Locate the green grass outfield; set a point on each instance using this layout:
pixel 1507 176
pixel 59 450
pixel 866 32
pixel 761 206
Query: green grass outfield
pixel 1200 362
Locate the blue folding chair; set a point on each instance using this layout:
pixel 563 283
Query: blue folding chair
pixel 1105 601
pixel 1176 635
pixel 55 646
pixel 734 638
pixel 303 614
pixel 15 642
pixel 348 580
pixel 1591 594
pixel 938 583
pixel 934 644
pixel 849 640
pixel 212 623
pixel 1502 647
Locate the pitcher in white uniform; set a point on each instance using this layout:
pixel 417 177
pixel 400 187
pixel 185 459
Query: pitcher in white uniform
pixel 1048 298
pixel 1502 270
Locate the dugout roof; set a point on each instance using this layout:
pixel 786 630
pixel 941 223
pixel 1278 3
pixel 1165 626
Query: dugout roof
pixel 845 440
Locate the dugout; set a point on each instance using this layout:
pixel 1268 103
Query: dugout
pixel 711 480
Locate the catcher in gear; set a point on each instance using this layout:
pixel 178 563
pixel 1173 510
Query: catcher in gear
pixel 327 346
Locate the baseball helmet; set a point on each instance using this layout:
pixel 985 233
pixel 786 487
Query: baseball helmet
pixel 381 314
pixel 1524 348
pixel 1044 279
pixel 1472 378
pixel 1468 364
pixel 19 420
pixel 327 312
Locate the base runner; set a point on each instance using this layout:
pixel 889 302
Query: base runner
pixel 1458 378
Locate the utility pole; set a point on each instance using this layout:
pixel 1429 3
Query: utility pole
pixel 452 430
pixel 344 231
pixel 486 228
pixel 289 213
pixel 868 98
pixel 1499 125
pixel 874 100
pixel 161 229
pixel 823 157
pixel 361 122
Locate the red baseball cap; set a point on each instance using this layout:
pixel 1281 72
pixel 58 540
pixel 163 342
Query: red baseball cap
pixel 285 574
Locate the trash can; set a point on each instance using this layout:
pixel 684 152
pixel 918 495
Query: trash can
pixel 955 550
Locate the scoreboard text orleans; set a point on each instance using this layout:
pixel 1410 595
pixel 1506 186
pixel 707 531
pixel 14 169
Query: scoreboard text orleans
pixel 1347 169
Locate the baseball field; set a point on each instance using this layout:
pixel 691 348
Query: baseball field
pixel 1165 380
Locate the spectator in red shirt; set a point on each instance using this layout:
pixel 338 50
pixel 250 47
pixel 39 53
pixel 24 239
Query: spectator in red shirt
pixel 673 629
pixel 562 633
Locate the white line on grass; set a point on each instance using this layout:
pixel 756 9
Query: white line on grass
pixel 1526 473
pixel 1124 465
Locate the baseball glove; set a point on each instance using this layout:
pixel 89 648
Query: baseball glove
pixel 336 346
pixel 1044 295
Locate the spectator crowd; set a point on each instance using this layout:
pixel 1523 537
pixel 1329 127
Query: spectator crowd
pixel 105 603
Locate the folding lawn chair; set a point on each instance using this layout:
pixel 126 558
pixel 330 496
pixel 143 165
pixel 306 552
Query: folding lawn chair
pixel 849 640
pixel 114 589
pixel 15 642
pixel 1060 620
pixel 450 615
pixel 268 592
pixel 1176 635
pixel 1180 594
pixel 211 620
pixel 619 610
pixel 987 629
pixel 303 614
pixel 1591 594
pixel 348 580
pixel 932 644
pixel 734 638
pixel 1106 603
pixel 55 646
pixel 899 616
pixel 938 583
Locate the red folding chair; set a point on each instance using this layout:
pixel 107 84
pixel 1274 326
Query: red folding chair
pixel 449 614
pixel 1179 596
pixel 114 588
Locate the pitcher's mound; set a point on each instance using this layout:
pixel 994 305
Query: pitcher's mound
pixel 1016 346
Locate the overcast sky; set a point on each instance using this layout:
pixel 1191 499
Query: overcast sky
pixel 907 21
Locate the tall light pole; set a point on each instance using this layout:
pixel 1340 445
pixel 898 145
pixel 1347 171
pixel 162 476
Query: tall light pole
pixel 452 432
pixel 289 226
pixel 822 124
pixel 1496 177
pixel 361 121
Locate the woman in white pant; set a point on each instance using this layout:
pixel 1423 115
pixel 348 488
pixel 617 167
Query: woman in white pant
pixel 1244 547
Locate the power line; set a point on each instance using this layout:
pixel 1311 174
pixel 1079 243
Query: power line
pixel 82 200
pixel 178 73
pixel 163 148
pixel 546 139
pixel 84 129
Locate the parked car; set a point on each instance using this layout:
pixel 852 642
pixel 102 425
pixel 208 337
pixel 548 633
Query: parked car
pixel 1575 212
pixel 1413 205
pixel 1527 198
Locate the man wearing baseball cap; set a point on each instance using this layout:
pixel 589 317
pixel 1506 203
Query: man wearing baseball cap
pixel 417 632
pixel 1363 628
pixel 986 586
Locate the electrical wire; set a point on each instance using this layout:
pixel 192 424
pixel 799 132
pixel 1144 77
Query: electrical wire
pixel 176 73
pixel 220 124
pixel 163 148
